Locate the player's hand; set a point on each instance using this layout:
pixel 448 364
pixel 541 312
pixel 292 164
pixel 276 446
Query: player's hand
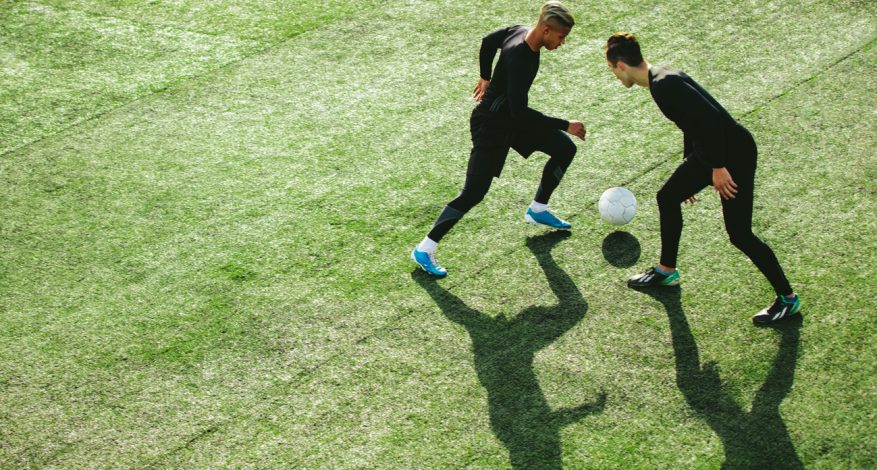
pixel 724 184
pixel 480 88
pixel 691 200
pixel 577 129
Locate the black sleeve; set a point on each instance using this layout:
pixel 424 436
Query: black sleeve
pixel 687 100
pixel 518 99
pixel 489 45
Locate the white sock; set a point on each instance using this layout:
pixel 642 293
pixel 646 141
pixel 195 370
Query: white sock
pixel 538 206
pixel 427 245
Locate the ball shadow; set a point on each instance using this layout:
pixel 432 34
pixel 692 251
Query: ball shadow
pixel 621 249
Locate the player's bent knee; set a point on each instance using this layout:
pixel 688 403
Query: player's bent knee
pixel 663 198
pixel 669 197
pixel 476 199
pixel 742 240
pixel 467 200
pixel 564 159
pixel 569 151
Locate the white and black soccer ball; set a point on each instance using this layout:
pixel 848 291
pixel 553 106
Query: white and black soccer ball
pixel 617 206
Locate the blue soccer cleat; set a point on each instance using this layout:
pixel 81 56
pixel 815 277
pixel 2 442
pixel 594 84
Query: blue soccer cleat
pixel 546 218
pixel 428 263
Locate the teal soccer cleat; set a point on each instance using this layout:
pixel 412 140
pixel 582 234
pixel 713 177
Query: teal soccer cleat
pixel 546 218
pixel 780 309
pixel 652 278
pixel 427 262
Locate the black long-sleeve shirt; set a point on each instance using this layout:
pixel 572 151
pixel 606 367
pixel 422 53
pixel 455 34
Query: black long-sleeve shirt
pixel 709 131
pixel 511 79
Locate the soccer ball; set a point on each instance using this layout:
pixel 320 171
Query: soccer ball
pixel 617 206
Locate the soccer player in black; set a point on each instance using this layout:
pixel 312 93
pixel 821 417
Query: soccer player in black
pixel 717 150
pixel 503 120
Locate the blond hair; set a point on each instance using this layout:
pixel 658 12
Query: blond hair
pixel 554 12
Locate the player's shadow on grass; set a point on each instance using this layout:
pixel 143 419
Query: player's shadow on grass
pixel 504 349
pixel 621 249
pixel 754 439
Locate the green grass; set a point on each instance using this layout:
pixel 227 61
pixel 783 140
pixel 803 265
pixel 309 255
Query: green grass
pixel 207 212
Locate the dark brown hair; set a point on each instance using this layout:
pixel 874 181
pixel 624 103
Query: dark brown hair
pixel 624 47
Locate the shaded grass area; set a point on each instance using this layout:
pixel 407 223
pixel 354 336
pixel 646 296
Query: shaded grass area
pixel 218 275
pixel 505 349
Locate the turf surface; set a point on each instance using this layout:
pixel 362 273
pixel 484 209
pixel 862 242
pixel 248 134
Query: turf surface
pixel 207 212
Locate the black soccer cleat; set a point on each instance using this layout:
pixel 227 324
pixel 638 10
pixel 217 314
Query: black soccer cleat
pixel 652 278
pixel 779 310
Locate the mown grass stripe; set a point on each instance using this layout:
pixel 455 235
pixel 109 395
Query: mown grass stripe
pixel 141 23
pixel 168 86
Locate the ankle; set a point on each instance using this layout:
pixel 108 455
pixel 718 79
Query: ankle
pixel 428 245
pixel 664 269
pixel 538 206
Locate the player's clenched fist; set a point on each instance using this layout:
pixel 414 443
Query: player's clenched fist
pixel 577 129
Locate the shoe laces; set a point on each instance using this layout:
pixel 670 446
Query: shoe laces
pixel 433 260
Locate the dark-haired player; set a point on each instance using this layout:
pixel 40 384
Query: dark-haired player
pixel 503 120
pixel 718 151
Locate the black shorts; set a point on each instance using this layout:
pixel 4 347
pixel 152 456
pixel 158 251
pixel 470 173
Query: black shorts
pixel 493 135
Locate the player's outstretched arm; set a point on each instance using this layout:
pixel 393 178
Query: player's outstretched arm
pixel 521 113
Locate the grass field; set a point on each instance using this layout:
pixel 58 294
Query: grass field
pixel 207 210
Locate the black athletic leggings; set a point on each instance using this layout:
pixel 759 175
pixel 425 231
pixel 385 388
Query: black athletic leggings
pixel 688 180
pixel 480 173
